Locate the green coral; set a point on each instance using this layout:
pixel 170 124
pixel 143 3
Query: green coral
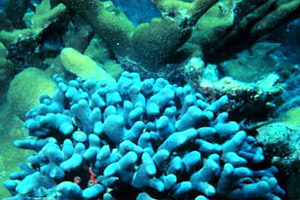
pixel 113 68
pixel 280 11
pixel 256 20
pixel 215 22
pixel 36 22
pixel 150 44
pixel 112 26
pixel 98 52
pixel 212 23
pixel 26 88
pixel 83 66
pixel 153 44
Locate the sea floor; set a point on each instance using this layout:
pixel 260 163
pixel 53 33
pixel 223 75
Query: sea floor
pixel 11 128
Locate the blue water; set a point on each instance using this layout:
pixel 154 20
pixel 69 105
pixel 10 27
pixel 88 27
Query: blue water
pixel 138 11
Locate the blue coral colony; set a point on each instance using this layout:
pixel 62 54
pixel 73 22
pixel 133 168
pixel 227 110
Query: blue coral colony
pixel 163 141
pixel 150 99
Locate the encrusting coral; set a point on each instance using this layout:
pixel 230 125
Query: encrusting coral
pixel 142 139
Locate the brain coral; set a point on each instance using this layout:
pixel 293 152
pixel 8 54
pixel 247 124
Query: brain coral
pixel 137 140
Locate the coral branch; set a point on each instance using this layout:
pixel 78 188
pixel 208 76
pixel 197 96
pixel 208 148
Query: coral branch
pixel 110 24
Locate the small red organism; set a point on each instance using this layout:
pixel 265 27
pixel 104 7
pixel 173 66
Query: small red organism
pixel 93 177
pixel 77 180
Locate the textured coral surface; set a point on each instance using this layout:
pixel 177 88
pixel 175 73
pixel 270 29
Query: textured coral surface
pixel 143 139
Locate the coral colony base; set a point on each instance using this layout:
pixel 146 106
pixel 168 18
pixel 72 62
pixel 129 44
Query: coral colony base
pixel 140 140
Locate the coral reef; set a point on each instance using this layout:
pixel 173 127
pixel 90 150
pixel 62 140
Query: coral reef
pixel 78 35
pixel 290 116
pixel 6 73
pixel 143 139
pixel 98 138
pixel 114 29
pixel 151 48
pixel 213 24
pixel 3 51
pixel 101 55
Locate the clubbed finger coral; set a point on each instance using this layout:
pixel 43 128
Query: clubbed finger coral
pixel 141 139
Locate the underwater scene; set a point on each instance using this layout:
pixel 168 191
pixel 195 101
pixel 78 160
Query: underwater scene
pixel 150 99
